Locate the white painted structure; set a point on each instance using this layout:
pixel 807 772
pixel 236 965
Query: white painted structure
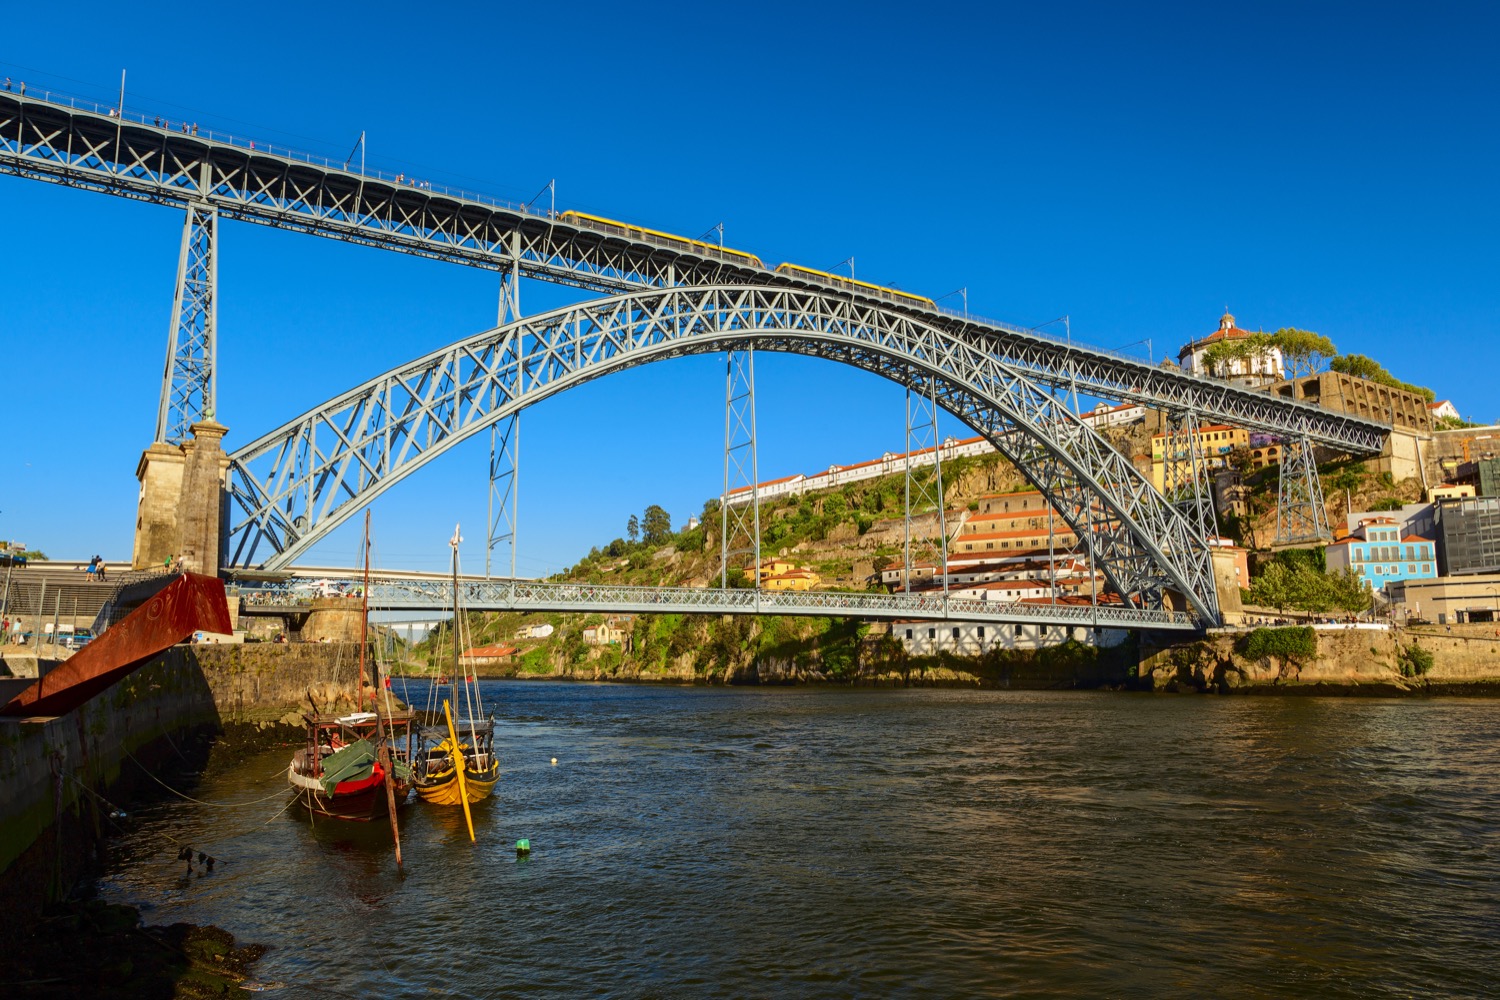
pixel 931 638
pixel 1263 366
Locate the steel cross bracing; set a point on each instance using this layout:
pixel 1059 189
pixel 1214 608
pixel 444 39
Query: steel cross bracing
pixel 293 485
pixel 1300 512
pixel 504 494
pixel 87 148
pixel 520 595
pixel 189 386
pixel 739 522
pixel 922 433
pixel 1185 473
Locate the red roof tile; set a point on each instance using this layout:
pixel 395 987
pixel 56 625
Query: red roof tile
pixel 489 651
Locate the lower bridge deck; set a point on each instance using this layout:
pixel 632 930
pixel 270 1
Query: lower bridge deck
pixel 436 595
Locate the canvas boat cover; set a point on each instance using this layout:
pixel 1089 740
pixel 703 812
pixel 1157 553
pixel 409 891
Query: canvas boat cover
pixel 355 762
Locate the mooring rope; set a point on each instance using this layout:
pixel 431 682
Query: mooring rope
pixel 189 798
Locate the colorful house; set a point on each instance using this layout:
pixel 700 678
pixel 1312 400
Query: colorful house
pixel 1378 554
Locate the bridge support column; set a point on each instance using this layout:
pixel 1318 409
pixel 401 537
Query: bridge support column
pixel 739 508
pixel 505 437
pixel 1184 472
pixel 921 434
pixel 1227 585
pixel 189 387
pixel 181 511
pixel 1300 513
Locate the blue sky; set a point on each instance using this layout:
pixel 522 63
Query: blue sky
pixel 1330 167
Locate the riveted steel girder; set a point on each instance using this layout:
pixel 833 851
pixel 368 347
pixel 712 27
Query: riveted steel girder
pixel 293 485
pixel 83 147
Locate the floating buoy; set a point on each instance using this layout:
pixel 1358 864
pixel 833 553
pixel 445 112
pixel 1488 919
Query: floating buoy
pixel 523 848
pixel 554 761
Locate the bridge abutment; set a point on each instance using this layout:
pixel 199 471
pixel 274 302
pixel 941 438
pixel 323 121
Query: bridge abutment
pixel 181 511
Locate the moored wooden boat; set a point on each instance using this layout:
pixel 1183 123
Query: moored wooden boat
pixel 436 779
pixel 338 773
pixel 459 768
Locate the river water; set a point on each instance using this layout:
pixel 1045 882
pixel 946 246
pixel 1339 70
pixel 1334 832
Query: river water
pixel 799 842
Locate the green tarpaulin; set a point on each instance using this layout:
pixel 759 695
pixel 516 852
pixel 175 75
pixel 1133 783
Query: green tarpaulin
pixel 353 763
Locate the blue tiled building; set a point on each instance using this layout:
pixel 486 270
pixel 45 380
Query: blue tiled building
pixel 1378 554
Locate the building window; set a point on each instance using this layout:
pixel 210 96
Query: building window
pixel 955 633
pixel 1426 568
pixel 1018 631
pixel 1411 569
pixel 981 631
pixel 932 633
pixel 908 634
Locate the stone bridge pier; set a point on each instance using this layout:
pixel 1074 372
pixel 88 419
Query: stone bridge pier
pixel 181 511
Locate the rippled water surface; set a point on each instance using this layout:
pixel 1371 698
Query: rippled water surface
pixel 728 842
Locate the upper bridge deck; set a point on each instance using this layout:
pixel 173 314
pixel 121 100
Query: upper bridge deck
pixel 82 144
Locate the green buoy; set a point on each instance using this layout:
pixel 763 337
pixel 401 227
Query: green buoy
pixel 523 848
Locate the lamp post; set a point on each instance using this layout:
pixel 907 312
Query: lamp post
pixel 1495 614
pixel 964 292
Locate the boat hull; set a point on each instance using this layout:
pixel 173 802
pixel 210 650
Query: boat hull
pixel 443 790
pixel 360 801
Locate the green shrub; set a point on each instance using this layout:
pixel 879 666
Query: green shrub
pixel 1415 661
pixel 1290 642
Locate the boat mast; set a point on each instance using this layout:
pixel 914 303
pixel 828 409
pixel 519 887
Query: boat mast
pixel 384 748
pixel 364 621
pixel 453 680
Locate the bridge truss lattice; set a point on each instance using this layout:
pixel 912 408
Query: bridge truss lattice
pixel 296 483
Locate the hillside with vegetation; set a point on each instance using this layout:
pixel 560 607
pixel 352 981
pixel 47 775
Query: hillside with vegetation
pixel 846 535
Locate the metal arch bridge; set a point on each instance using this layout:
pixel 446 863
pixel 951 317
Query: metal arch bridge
pixel 80 144
pixel 300 481
pixel 394 593
pixel 290 488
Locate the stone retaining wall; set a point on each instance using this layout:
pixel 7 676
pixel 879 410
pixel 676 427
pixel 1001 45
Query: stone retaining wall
pixel 1347 660
pixel 50 823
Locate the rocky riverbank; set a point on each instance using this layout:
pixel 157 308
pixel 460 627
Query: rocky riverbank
pixel 102 950
pixel 1329 659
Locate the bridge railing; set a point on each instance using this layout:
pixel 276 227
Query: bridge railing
pixel 191 128
pixel 523 594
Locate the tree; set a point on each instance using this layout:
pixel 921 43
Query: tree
pixel 1273 588
pixel 1302 351
pixel 1350 477
pixel 657 525
pixel 1311 591
pixel 1359 366
pixel 633 528
pixel 1220 359
pixel 1348 592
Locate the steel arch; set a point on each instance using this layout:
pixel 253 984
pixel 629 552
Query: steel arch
pixel 298 482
